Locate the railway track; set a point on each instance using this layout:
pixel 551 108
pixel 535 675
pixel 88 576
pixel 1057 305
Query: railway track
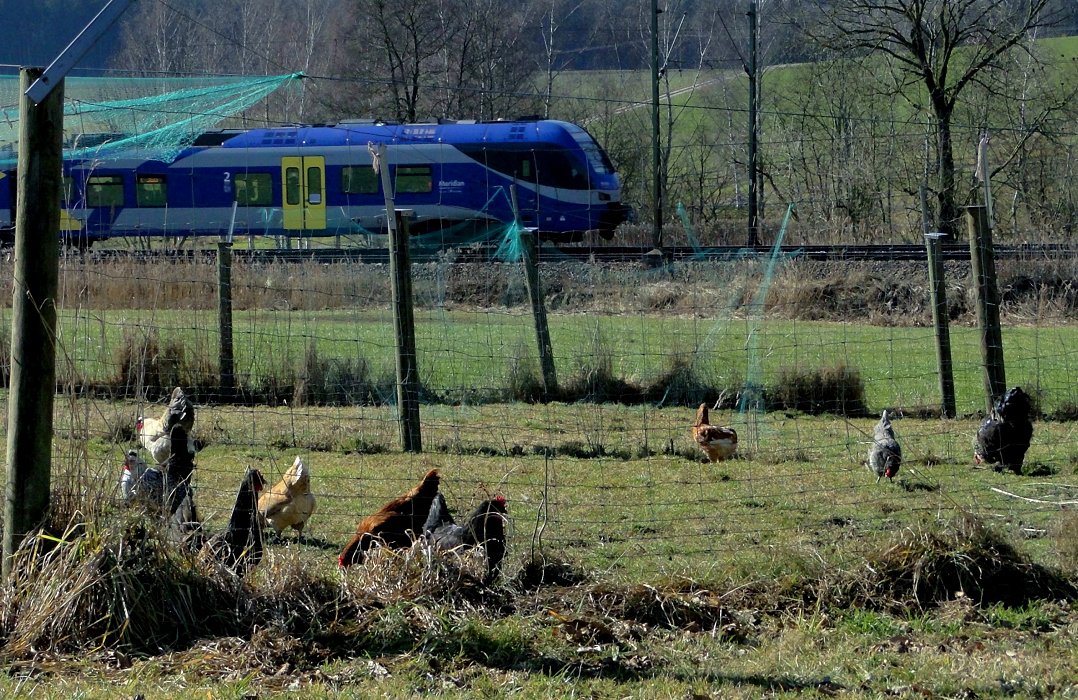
pixel 606 254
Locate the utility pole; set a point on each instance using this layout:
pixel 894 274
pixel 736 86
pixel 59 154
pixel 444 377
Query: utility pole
pixel 656 151
pixel 754 129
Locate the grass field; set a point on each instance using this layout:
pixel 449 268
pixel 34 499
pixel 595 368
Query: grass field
pixel 741 579
pixel 786 572
pixel 472 353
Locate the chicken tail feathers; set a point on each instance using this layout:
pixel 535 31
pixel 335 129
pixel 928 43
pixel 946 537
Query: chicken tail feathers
pixel 439 515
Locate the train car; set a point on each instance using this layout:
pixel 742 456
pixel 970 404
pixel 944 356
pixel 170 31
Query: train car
pixel 307 181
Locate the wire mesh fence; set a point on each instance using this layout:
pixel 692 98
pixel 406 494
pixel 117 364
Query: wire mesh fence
pixel 607 474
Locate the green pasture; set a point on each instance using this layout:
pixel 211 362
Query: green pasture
pixel 621 491
pixel 461 352
pixel 795 509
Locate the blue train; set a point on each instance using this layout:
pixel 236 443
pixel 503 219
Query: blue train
pixel 307 181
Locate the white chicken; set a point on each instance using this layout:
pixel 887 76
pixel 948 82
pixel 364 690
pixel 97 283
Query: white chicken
pixel 153 433
pixel 134 468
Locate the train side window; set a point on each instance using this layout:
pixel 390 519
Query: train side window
pixel 515 161
pixel 150 191
pixel 359 179
pixel 105 191
pixel 253 189
pixel 413 179
pixel 291 186
pixel 314 185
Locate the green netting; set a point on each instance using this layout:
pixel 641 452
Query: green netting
pixel 752 394
pixel 160 116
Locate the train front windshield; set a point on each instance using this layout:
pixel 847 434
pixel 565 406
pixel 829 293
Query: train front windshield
pixel 597 157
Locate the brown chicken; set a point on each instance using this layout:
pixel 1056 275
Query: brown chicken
pixel 396 524
pixel 717 442
pixel 290 502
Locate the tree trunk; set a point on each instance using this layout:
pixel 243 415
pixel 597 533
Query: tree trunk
pixel 948 208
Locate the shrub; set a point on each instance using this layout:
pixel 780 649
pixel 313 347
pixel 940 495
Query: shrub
pixel 682 383
pixel 333 382
pixel 838 389
pixel 594 379
pixel 150 367
pixel 523 382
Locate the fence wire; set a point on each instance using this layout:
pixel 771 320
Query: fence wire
pixel 606 474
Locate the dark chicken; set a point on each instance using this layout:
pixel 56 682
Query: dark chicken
pixel 181 518
pixel 485 528
pixel 239 547
pixel 396 524
pixel 1004 436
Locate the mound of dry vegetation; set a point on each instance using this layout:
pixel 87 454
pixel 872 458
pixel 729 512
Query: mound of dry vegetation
pixel 112 583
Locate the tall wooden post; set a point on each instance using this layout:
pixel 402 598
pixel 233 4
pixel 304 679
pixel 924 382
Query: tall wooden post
pixel 224 319
pixel 754 128
pixel 33 316
pixel 656 144
pixel 940 318
pixel 982 258
pixel 404 326
pixel 542 331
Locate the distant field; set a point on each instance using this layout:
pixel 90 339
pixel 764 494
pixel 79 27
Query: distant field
pixel 461 350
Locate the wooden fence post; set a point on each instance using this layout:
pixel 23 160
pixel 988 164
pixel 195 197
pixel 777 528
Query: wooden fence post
pixel 530 258
pixel 982 259
pixel 404 325
pixel 940 317
pixel 33 315
pixel 224 318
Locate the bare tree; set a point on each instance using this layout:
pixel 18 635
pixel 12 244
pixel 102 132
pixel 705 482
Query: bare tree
pixel 398 46
pixel 157 39
pixel 943 46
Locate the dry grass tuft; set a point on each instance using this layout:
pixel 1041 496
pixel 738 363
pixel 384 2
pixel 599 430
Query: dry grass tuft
pixel 539 571
pixel 684 383
pixel 149 366
pixel 337 381
pixel 1066 538
pixel 694 610
pixel 417 573
pixel 595 379
pixel 116 583
pixel 939 562
pixel 523 380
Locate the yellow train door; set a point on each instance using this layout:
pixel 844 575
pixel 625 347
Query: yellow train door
pixel 304 198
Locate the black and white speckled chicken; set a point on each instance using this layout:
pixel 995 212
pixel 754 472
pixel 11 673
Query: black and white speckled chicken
pixel 1004 437
pixel 885 454
pixel 485 528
